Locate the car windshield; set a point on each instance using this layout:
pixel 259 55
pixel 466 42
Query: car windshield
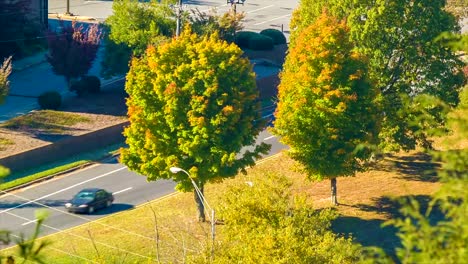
pixel 85 195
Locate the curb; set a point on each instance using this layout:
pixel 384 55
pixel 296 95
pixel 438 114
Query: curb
pixel 32 64
pixel 49 177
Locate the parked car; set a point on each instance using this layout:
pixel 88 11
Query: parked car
pixel 89 200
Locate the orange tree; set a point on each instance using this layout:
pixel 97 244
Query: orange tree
pixel 326 109
pixel 192 104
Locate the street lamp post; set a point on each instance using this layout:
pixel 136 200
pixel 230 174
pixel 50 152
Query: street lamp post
pixel 68 8
pixel 205 204
pixel 234 4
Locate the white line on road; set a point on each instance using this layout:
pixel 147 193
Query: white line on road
pixel 29 222
pixel 267 138
pixel 85 238
pixel 273 19
pixel 62 190
pixel 255 10
pixel 121 191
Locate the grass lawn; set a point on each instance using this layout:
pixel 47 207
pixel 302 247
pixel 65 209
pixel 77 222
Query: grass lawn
pixel 5 142
pixel 22 177
pixel 167 229
pixel 46 121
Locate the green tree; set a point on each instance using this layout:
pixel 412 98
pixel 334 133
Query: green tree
pixel 425 238
pixel 131 28
pixel 5 71
pixel 192 104
pixel 325 104
pixel 225 25
pixel 139 24
pixel 405 61
pixel 267 223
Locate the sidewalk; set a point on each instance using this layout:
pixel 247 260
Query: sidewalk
pixel 31 77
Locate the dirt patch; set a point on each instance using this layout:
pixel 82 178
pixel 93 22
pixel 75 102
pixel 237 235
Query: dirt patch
pixel 102 110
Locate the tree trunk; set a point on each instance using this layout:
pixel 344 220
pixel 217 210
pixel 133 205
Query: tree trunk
pixel 200 205
pixel 334 200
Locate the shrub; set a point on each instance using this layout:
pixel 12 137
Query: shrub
pixel 277 36
pixel 87 84
pixel 50 100
pixel 260 42
pixel 92 83
pixel 79 87
pixel 243 37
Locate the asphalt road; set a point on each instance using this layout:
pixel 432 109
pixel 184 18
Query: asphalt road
pixel 260 14
pixel 17 209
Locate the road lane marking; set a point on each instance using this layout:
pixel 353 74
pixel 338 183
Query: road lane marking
pixel 82 237
pixel 29 222
pixel 88 220
pixel 62 190
pixel 273 19
pixel 258 9
pixel 121 191
pixel 267 138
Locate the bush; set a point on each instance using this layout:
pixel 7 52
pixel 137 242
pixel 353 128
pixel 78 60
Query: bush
pixel 277 36
pixel 243 37
pixel 79 87
pixel 260 42
pixel 92 83
pixel 87 84
pixel 50 100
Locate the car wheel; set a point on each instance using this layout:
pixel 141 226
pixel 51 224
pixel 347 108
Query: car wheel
pixel 90 210
pixel 108 203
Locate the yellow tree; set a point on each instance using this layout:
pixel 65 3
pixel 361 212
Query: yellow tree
pixel 326 109
pixel 193 105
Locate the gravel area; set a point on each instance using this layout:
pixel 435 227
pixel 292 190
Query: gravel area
pixel 105 109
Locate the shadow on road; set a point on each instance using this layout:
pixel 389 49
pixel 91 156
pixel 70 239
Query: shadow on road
pixel 38 204
pixel 114 208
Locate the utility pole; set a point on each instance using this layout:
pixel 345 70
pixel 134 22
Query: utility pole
pixel 179 15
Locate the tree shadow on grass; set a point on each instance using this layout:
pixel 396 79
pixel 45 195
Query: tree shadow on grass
pixel 370 232
pixel 416 167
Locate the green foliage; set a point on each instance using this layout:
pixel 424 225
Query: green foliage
pixel 243 37
pixel 266 223
pixel 225 25
pixel 326 109
pixel 93 83
pixel 50 100
pixel 78 87
pixel 403 62
pixel 5 71
pixel 192 104
pixel 407 62
pixel 86 85
pixel 29 249
pixel 4 172
pixel 277 36
pixel 443 241
pixel 138 25
pixel 116 58
pixel 260 42
pixel 308 12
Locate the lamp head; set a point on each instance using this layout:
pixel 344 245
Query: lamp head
pixel 175 169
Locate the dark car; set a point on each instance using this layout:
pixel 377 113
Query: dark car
pixel 89 200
